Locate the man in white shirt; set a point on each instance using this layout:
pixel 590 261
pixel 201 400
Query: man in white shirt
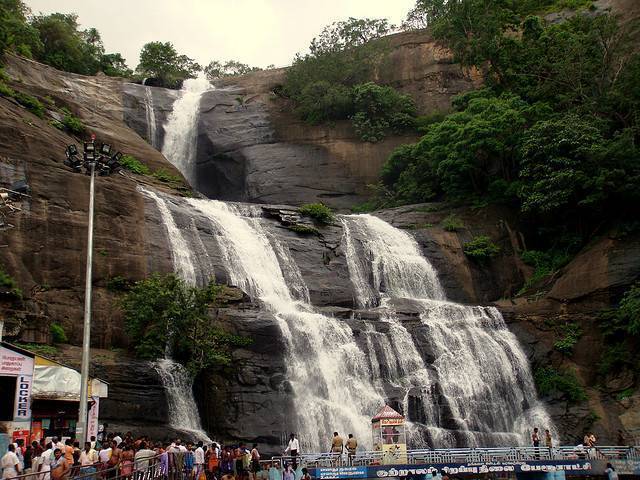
pixel 88 456
pixel 142 457
pixel 10 463
pixel 293 448
pixel 105 455
pixel 44 465
pixel 117 439
pixel 198 460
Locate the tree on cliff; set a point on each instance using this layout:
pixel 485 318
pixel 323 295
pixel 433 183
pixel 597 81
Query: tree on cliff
pixel 62 45
pixel 163 313
pixel 161 61
pixel 15 32
pixel 230 68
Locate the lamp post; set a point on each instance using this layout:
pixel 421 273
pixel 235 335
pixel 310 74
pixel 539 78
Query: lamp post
pixel 95 157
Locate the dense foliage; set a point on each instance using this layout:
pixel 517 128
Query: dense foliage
pixel 550 380
pixel 164 314
pixel 317 211
pixel 56 40
pixel 620 327
pixel 162 62
pixel 230 68
pixel 554 133
pixel 481 248
pixel 58 335
pixel 332 82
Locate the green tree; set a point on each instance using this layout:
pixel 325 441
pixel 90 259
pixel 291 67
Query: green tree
pixel 67 48
pixel 230 68
pixel 571 171
pixel 161 61
pixel 114 65
pixel 349 34
pixel 15 31
pixel 466 152
pixel 164 313
pixel 380 110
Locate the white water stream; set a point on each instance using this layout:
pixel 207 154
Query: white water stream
pixel 152 134
pixel 181 127
pixel 479 367
pixel 333 386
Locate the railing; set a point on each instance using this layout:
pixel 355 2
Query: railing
pixel 175 468
pixel 461 455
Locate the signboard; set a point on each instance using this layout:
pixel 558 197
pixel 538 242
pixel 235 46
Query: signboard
pixel 14 363
pixel 391 421
pixel 569 467
pixel 92 423
pixel 341 472
pixel 22 406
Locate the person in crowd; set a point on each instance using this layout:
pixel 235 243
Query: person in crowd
pixel 337 444
pixel 19 450
pixel 198 460
pixel 88 459
pixel 59 466
pixel 93 441
pixel 255 461
pixel 289 473
pixel 535 440
pixel 142 458
pixel 114 459
pixel 27 459
pixel 88 456
pixel 44 464
pixel 212 460
pixel 104 455
pixel 163 453
pixel 188 461
pixel 548 441
pixel 10 463
pixel 68 451
pixel 305 474
pixel 293 448
pixel 117 438
pixel 611 472
pixel 352 445
pixel 36 451
pixel 75 467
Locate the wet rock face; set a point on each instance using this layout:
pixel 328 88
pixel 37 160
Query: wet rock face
pixel 140 102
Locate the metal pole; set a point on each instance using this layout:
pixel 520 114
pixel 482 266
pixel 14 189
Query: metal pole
pixel 86 338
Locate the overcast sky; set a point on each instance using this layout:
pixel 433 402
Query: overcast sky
pixel 257 32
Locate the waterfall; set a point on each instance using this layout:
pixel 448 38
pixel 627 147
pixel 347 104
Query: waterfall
pixel 182 257
pixel 151 117
pixel 176 380
pixel 181 128
pixel 330 375
pixel 479 368
pixel 178 384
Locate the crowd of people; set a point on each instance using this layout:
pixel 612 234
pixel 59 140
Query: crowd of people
pixel 124 457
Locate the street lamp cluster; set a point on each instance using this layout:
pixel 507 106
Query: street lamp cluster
pixel 96 157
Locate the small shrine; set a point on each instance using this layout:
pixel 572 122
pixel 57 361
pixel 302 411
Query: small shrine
pixel 388 430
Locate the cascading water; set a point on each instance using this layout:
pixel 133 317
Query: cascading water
pixel 151 117
pixel 333 386
pixel 181 253
pixel 479 369
pixel 176 380
pixel 181 128
pixel 178 385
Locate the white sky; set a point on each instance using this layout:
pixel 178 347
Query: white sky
pixel 257 32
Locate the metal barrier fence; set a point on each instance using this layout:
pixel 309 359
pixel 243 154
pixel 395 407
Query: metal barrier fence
pixel 174 468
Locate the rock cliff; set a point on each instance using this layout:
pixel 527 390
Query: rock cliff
pixel 251 148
